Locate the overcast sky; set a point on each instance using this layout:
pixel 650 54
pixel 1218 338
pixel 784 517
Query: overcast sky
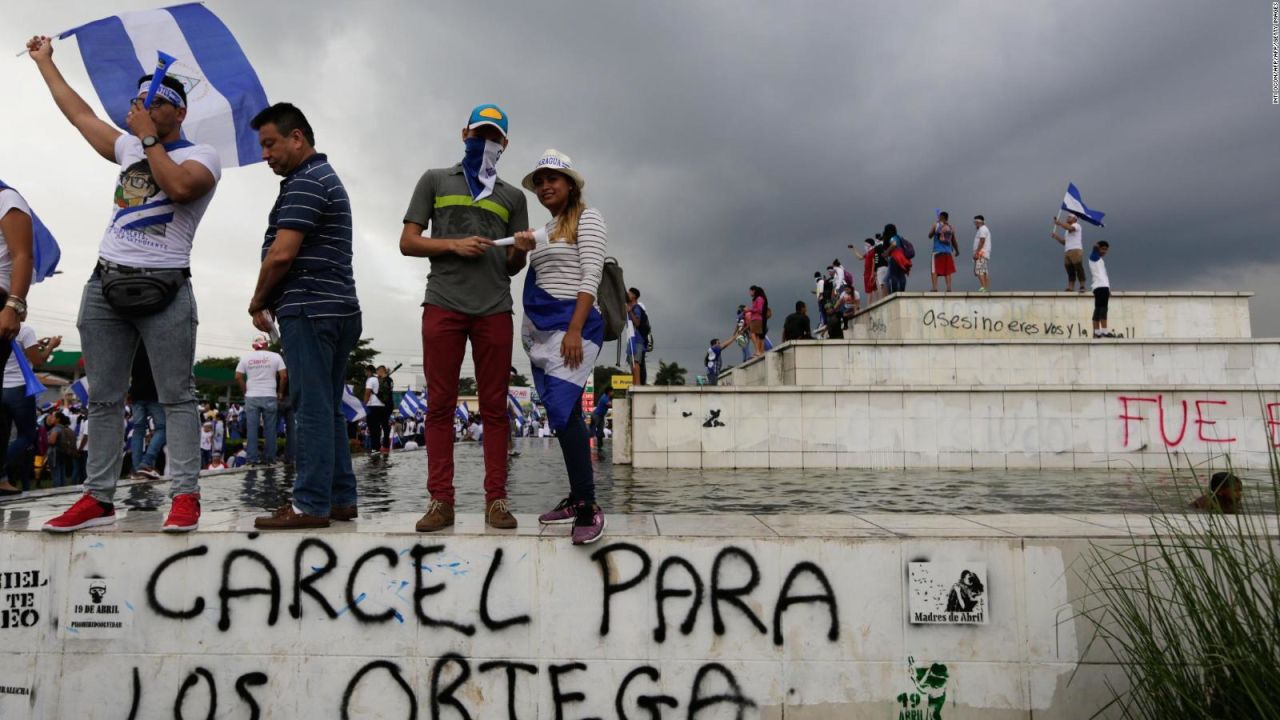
pixel 726 143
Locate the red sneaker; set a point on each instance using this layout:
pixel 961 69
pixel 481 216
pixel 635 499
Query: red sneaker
pixel 184 516
pixel 86 513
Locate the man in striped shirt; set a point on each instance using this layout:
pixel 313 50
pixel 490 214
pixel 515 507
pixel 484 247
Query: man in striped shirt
pixel 306 281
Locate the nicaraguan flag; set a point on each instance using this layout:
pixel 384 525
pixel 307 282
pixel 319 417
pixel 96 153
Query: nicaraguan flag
pixel 352 408
pixel 223 91
pixel 44 248
pixel 1073 204
pixel 81 390
pixel 33 384
pixel 411 405
pixel 546 320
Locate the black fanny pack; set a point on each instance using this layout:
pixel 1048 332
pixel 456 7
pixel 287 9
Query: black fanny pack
pixel 138 292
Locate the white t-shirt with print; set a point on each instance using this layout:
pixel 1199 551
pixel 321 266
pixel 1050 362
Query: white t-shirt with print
pixel 1074 238
pixel 372 384
pixel 260 369
pixel 983 234
pixel 12 371
pixel 9 200
pixel 147 229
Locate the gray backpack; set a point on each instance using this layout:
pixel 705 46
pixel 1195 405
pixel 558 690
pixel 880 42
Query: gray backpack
pixel 612 299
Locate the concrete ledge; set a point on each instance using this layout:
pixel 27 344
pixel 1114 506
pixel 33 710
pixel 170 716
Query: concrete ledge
pixel 826 616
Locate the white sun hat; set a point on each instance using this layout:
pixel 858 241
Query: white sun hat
pixel 553 159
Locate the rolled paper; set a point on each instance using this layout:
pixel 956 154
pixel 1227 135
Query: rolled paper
pixel 163 61
pixel 539 237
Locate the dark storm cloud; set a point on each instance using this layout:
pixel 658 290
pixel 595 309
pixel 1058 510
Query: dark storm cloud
pixel 732 143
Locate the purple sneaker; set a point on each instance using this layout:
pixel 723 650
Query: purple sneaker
pixel 588 525
pixel 563 513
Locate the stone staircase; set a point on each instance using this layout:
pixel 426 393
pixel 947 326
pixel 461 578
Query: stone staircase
pixel 1000 380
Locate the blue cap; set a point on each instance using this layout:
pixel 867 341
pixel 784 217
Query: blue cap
pixel 488 115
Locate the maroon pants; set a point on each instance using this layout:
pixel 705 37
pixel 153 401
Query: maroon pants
pixel 444 341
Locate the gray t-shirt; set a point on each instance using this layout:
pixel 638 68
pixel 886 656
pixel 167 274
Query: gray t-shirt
pixel 472 286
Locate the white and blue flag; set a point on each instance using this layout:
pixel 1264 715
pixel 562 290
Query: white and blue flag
pixel 81 390
pixel 223 91
pixel 352 408
pixel 1074 204
pixel 32 383
pixel 463 413
pixel 45 250
pixel 546 321
pixel 411 405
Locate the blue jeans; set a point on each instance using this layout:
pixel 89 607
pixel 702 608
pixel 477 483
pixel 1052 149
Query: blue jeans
pixel 316 352
pixel 143 409
pixel 110 341
pixel 290 431
pixel 19 413
pixel 897 278
pixel 575 446
pixel 263 408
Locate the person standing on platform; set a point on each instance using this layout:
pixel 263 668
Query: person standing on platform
pixel 307 284
pixel 868 258
pixel 263 377
pixel 1072 242
pixel 638 331
pixel 899 263
pixel 982 253
pixel 467 206
pixel 757 319
pixel 713 361
pixel 563 330
pixel 164 186
pixel 944 251
pixel 797 326
pixel 1101 285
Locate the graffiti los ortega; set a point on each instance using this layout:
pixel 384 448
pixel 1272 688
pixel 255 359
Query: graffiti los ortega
pixel 454 628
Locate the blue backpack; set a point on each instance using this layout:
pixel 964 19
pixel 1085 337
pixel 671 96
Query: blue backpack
pixel 907 248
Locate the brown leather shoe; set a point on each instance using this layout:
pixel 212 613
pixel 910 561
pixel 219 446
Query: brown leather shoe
pixel 497 514
pixel 343 512
pixel 439 516
pixel 284 518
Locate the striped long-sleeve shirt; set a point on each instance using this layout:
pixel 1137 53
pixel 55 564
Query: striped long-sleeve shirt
pixel 564 269
pixel 320 282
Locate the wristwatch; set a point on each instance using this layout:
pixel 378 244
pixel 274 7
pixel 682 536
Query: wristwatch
pixel 18 304
pixel 149 140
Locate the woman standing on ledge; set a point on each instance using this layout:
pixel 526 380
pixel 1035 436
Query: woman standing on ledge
pixel 563 330
pixel 757 317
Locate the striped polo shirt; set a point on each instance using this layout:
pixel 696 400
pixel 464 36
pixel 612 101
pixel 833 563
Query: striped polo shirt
pixel 320 282
pixel 442 203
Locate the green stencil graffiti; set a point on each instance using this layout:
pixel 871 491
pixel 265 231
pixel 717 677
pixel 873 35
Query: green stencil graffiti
pixel 930 694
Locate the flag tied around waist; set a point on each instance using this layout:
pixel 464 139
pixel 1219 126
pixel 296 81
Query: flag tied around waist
pixel 1074 204
pixel 45 250
pixel 411 405
pixel 352 408
pixel 223 91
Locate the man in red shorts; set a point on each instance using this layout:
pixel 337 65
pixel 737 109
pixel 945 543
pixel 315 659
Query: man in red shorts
pixel 944 251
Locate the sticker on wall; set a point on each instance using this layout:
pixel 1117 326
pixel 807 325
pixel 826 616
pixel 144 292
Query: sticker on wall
pixel 97 608
pixel 947 593
pixel 927 695
pixel 24 597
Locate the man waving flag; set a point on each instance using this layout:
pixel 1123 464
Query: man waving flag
pixel 223 91
pixel 1074 204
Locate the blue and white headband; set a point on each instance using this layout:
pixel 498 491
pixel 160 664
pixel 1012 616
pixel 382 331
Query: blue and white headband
pixel 168 93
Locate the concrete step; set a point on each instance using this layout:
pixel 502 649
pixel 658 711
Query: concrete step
pixel 961 426
pixel 1025 315
pixel 919 363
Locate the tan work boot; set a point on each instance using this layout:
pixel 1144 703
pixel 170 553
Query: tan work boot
pixel 497 514
pixel 439 516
